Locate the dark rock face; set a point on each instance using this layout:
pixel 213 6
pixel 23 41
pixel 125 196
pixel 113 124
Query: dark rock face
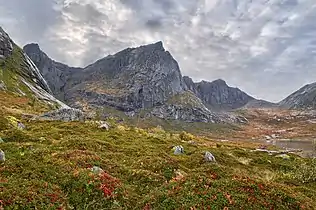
pixel 304 98
pixel 132 79
pixel 6 45
pixel 147 77
pixel 56 74
pixel 218 95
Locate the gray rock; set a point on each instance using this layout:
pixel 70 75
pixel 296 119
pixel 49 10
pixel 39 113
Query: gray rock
pixel 2 156
pixel 283 156
pixel 25 72
pixel 144 78
pixel 66 115
pixel 268 137
pixel 2 85
pixel 209 157
pixel 6 45
pixel 217 94
pixel 97 170
pixel 178 150
pixel 304 98
pixel 21 126
pixel 105 126
pixel 56 74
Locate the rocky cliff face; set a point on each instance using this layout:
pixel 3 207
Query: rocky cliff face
pixel 135 78
pixel 147 77
pixel 304 98
pixel 217 95
pixel 19 74
pixel 56 74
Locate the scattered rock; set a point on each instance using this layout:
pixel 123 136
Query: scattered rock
pixel 192 142
pixel 209 157
pixel 97 170
pixel 105 126
pixel 284 156
pixel 21 126
pixel 268 137
pixel 63 114
pixel 1 140
pixel 274 136
pixel 178 150
pixel 2 156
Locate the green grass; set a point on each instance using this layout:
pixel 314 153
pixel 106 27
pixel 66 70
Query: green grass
pixel 48 165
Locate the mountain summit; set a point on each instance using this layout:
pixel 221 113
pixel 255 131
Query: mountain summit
pixel 218 95
pixel 142 78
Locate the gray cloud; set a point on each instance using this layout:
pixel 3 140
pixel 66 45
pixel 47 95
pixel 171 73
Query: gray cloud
pixel 265 47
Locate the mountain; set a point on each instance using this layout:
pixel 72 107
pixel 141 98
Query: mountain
pixel 260 104
pixel 18 74
pixel 134 79
pixel 304 98
pixel 218 95
pixel 56 74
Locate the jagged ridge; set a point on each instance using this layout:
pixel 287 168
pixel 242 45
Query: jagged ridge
pixel 19 74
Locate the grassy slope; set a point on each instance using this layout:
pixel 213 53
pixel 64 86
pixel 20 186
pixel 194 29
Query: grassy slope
pixel 48 165
pixel 10 72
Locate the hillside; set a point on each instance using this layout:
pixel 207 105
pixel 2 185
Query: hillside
pixel 54 165
pixel 19 75
pixel 304 98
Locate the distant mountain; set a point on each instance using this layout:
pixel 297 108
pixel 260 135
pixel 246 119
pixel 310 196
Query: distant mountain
pixel 217 95
pixel 304 98
pixel 142 78
pixel 19 75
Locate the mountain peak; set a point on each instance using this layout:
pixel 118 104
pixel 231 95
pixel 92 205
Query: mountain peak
pixel 33 46
pixel 220 82
pixel 154 46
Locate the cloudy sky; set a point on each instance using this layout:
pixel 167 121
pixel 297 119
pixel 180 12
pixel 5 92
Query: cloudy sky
pixel 265 47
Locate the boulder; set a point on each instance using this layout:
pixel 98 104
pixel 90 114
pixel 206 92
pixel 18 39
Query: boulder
pixel 284 156
pixel 105 126
pixel 2 156
pixel 1 140
pixel 178 150
pixel 21 126
pixel 97 170
pixel 209 157
pixel 63 114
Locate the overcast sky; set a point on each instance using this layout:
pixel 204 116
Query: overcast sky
pixel 265 47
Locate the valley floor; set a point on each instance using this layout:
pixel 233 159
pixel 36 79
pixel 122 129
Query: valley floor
pixel 76 165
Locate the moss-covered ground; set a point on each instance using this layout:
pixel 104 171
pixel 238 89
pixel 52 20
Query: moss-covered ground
pixel 48 166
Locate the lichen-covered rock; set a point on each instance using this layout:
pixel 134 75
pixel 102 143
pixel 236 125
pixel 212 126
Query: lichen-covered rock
pixel 2 156
pixel 209 157
pixel 66 115
pixel 178 150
